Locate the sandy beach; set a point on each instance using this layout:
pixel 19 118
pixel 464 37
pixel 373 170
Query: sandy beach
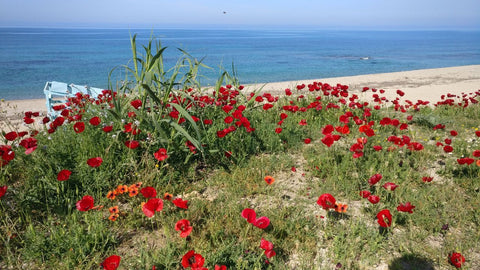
pixel 425 84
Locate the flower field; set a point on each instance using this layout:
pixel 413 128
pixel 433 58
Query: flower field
pixel 161 173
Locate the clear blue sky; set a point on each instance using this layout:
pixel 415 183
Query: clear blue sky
pixel 329 14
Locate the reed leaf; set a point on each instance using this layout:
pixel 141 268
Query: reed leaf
pixel 197 143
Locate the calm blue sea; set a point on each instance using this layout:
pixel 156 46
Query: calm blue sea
pixel 31 57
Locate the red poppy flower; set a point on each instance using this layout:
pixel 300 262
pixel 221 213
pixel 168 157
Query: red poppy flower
pixel 453 133
pixel 267 106
pixel 58 107
pixel 476 153
pixel 132 144
pixel 6 154
pixel 191 147
pixel 270 253
pixel 228 120
pixel 439 126
pixel 220 267
pixel 447 148
pixel 149 192
pixel 221 133
pixel 448 141
pixel 374 199
pixel 57 122
pixel 180 203
pixel 307 141
pixel 45 120
pixel 369 132
pixel 384 218
pixel 477 133
pixel 262 222
pixel 328 129
pixel 10 136
pixel 79 127
pixel 343 129
pixel 183 226
pixel 30 145
pixel 259 99
pixel 28 120
pixel 227 108
pixel 95 121
pixel 278 130
pixel 328 140
pixel 266 245
pixel 111 263
pixel 356 147
pixel 374 179
pixel 207 122
pixel 390 186
pixel 377 147
pixel 303 122
pixel 63 175
pixel 365 193
pixel 407 207
pixel 130 128
pixel 357 154
pixel 137 103
pixel 107 129
pixel 249 214
pixel 3 190
pixel 456 259
pixel 427 179
pixel 161 154
pixel 151 206
pixel 465 160
pixel 400 93
pixel 344 118
pixel 326 201
pixel 95 162
pixel 85 204
pixel 193 260
pixel 65 113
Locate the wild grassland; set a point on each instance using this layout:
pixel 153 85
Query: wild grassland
pixel 214 148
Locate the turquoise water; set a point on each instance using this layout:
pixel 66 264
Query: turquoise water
pixel 31 57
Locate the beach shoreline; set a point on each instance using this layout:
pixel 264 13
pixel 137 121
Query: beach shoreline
pixel 424 84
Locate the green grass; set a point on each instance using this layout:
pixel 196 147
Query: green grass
pixel 41 227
